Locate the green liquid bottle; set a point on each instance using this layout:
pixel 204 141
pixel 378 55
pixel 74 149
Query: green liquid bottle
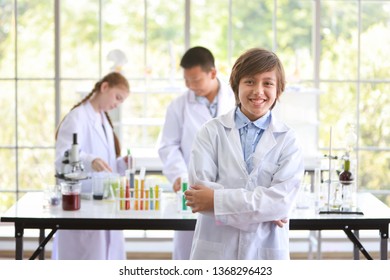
pixel 184 187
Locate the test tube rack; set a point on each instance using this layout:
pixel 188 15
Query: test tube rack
pixel 139 200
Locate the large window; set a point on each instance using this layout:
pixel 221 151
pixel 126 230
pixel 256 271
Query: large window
pixel 52 53
pixel 355 76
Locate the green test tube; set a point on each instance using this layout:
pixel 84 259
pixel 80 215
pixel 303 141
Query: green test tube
pixel 184 187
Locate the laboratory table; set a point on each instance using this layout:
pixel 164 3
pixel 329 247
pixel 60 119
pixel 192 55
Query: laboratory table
pixel 104 214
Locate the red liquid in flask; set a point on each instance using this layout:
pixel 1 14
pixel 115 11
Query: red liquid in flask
pixel 71 201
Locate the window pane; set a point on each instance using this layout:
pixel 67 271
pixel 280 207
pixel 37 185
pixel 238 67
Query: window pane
pixel 36 168
pixel 375 24
pixel 72 92
pixel 294 39
pixel 338 109
pixel 7 199
pixel 143 116
pixel 385 198
pixel 209 28
pixel 123 29
pixel 155 103
pixel 7 113
pixel 148 102
pixel 252 25
pixel 7 169
pixel 7 39
pixel 80 38
pixel 165 38
pixel 139 136
pixel 339 20
pixel 375 115
pixel 298 109
pixel 35 38
pixel 374 170
pixel 36 113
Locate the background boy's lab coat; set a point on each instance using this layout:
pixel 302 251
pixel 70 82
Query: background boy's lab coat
pixel 245 204
pixel 93 142
pixel 183 119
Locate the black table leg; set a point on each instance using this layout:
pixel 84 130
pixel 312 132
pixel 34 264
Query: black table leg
pixel 357 243
pixel 42 245
pixel 41 239
pixel 384 233
pixel 19 231
pixel 356 254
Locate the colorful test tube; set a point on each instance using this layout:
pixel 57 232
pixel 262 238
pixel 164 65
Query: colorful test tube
pixel 156 195
pixel 146 200
pixel 151 198
pixel 131 179
pixel 127 195
pixel 142 194
pixel 114 188
pixel 122 196
pixel 136 195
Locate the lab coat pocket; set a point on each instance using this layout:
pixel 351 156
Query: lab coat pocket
pixel 206 250
pixel 269 167
pixel 266 172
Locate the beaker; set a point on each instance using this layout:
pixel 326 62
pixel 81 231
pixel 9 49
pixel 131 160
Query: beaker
pixel 98 183
pixel 71 195
pixel 348 195
pixel 104 185
pixel 111 186
pixel 319 193
pixel 51 196
pixel 336 196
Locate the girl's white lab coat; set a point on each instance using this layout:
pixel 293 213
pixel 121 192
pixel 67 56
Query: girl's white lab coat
pixel 184 117
pixel 93 142
pixel 245 204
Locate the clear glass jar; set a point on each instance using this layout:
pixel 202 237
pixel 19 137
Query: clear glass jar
pixel 71 195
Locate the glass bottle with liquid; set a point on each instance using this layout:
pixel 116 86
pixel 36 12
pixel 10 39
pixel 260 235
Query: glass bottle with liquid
pixel 346 176
pixel 347 181
pixel 71 195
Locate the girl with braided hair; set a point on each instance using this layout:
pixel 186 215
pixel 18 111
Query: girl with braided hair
pixel 99 151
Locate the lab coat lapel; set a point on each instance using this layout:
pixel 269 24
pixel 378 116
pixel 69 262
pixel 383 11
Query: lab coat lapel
pixel 267 141
pixel 266 144
pixel 200 110
pixel 99 130
pixel 96 122
pixel 110 137
pixel 234 139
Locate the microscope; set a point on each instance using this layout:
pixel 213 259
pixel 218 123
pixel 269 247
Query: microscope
pixel 72 168
pixel 72 171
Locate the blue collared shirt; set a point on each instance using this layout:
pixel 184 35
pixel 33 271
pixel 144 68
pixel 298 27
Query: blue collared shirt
pixel 213 106
pixel 250 134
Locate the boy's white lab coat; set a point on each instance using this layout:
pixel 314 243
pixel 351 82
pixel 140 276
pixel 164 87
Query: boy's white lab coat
pixel 183 119
pixel 245 204
pixel 93 143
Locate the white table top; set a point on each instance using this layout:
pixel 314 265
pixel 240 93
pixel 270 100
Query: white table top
pixel 367 203
pixel 31 206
